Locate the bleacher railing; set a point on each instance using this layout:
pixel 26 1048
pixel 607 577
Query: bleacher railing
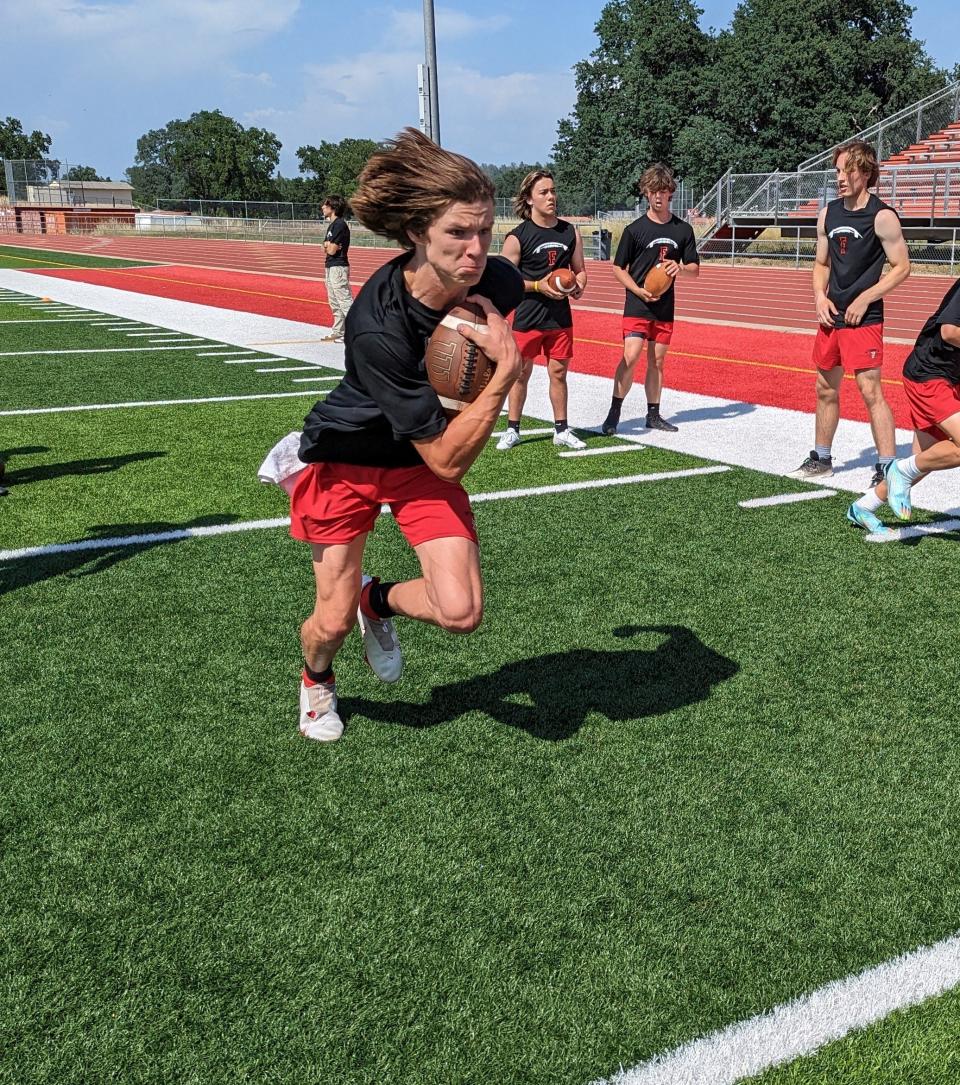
pixel 929 192
pixel 899 131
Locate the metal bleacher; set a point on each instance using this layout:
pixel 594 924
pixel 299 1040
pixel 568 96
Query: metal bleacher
pixel 919 177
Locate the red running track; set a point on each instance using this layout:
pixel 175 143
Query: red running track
pixel 733 362
pixel 768 297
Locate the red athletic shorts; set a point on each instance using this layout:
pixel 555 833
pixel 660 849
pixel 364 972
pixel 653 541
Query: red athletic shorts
pixel 657 331
pixel 853 348
pixel 930 403
pixel 334 503
pixel 556 343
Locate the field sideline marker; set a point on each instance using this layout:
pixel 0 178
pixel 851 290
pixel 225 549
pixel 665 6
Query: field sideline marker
pixel 160 402
pixel 786 499
pixel 800 1027
pixel 254 525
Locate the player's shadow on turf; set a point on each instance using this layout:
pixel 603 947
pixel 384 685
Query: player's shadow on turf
pixel 25 450
pixel 713 414
pixel 551 696
pixel 97 465
pixel 104 546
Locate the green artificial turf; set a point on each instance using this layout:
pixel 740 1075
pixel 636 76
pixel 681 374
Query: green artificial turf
pixel 22 259
pixel 679 775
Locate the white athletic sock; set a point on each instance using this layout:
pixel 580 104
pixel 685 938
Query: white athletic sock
pixel 869 502
pixel 908 468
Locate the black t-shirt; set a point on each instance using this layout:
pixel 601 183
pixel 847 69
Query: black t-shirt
pixel 856 257
pixel 339 233
pixel 543 249
pixel 385 401
pixel 932 358
pixel 646 243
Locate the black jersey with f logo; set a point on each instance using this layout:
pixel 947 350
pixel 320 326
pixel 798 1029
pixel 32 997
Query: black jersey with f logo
pixel 856 256
pixel 542 250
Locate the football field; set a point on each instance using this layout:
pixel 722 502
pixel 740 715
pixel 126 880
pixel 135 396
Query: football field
pixel 700 761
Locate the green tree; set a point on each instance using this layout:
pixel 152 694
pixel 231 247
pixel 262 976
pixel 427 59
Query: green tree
pixel 336 166
pixel 83 173
pixel 208 156
pixel 793 77
pixel 16 144
pixel 635 93
pixel 507 179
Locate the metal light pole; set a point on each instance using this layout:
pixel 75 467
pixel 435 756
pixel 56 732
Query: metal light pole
pixel 430 57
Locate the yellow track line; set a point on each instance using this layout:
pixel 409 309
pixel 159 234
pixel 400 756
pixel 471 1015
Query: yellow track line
pixel 735 361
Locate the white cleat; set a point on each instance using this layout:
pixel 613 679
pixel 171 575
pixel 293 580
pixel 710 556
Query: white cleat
pixel 569 439
pixel 380 643
pixel 318 712
pixel 509 439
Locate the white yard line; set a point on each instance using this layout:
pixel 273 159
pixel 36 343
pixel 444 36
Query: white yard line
pixel 52 320
pixel 603 451
pixel 256 525
pixel 159 403
pixel 311 380
pixel 914 531
pixel 92 350
pixel 288 369
pixel 806 1024
pixel 785 499
pixel 225 354
pixel 174 339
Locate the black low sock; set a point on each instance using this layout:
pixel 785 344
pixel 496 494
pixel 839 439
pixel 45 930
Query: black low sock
pixel 318 676
pixel 378 599
pixel 653 409
pixel 560 424
pixel 513 425
pixel 616 402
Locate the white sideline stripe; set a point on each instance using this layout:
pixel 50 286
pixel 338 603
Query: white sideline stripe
pixel 256 525
pixel 804 1025
pixel 53 320
pixel 289 369
pixel 260 357
pixel 167 339
pixel 785 499
pixel 604 451
pixel 140 334
pixel 311 380
pixel 156 403
pixel 86 350
pixel 222 353
pixel 899 534
pixel 497 434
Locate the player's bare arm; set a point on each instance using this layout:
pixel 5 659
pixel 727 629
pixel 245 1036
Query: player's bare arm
pixel 889 233
pixel 674 268
pixel 826 310
pixel 450 454
pixel 331 248
pixel 625 279
pixel 950 334
pixel 578 267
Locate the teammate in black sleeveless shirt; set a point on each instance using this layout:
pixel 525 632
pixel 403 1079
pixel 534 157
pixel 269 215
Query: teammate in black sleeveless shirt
pixel 856 234
pixel 381 437
pixel 931 379
pixel 543 323
pixel 658 237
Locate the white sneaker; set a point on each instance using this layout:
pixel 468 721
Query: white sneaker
pixel 380 643
pixel 508 440
pixel 569 439
pixel 318 712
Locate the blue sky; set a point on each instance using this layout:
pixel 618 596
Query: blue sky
pixel 97 74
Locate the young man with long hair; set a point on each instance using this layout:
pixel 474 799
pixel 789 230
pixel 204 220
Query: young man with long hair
pixel 543 323
pixel 381 436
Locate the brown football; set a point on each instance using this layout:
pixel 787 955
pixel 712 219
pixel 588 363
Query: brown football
pixel 456 368
pixel 657 281
pixel 563 279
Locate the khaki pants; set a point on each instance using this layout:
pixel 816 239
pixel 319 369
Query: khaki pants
pixel 339 296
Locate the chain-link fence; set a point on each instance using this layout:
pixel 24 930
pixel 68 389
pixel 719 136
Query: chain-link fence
pixel 935 250
pixel 48 182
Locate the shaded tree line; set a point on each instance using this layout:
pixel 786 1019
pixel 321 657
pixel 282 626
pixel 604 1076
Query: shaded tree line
pixel 788 78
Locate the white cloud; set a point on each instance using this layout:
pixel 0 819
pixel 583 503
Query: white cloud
pixel 406 27
pixel 148 40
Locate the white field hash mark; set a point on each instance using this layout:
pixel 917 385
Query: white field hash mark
pixel 786 499
pixel 256 525
pixel 800 1027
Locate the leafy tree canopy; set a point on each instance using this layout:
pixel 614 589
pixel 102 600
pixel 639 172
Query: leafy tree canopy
pixel 208 156
pixel 787 79
pixel 336 166
pixel 83 173
pixel 15 143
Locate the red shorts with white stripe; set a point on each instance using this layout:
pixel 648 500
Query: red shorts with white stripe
pixel 930 403
pixel 555 343
pixel 853 348
pixel 335 503
pixel 655 331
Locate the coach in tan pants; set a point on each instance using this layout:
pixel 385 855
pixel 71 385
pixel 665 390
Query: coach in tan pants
pixel 336 244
